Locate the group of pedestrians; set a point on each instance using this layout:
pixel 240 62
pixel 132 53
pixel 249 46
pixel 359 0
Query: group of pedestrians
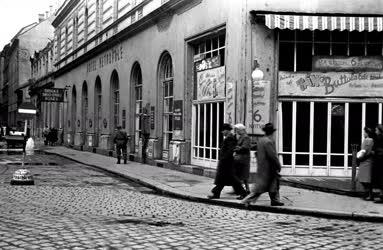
pixel 234 165
pixel 370 159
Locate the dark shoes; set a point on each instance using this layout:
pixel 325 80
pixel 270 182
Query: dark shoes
pixel 125 161
pixel 277 203
pixel 212 196
pixel 241 197
pixel 118 162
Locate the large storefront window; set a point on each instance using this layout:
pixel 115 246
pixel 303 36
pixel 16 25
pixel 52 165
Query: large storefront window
pixel 328 92
pixel 208 106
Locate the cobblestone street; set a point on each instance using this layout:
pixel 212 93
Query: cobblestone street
pixel 72 206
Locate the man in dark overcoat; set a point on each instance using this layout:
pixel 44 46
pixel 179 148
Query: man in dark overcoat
pixel 267 178
pixel 225 175
pixel 120 138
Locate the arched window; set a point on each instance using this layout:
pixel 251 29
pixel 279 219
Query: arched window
pixel 98 109
pixel 74 108
pixel 166 80
pixel 115 94
pixel 84 109
pixel 137 85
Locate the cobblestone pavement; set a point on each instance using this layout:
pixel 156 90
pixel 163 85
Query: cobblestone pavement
pixel 75 207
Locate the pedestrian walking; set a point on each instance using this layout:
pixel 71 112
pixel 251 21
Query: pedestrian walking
pixel 242 155
pixel 225 175
pixel 377 166
pixel 365 159
pixel 120 138
pixel 267 178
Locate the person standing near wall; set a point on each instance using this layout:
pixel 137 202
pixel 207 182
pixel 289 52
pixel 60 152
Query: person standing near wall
pixel 365 163
pixel 145 130
pixel 242 155
pixel 120 138
pixel 267 178
pixel 377 167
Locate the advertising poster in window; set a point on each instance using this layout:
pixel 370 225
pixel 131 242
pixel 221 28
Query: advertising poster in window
pixel 177 114
pixel 211 84
pixel 257 106
pixel 331 84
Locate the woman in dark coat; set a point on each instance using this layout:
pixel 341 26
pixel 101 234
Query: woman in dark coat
pixel 225 175
pixel 242 155
pixel 377 167
pixel 365 165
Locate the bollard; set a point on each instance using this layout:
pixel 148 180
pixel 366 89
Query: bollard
pixel 354 148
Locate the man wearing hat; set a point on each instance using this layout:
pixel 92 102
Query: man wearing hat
pixel 120 138
pixel 225 175
pixel 267 178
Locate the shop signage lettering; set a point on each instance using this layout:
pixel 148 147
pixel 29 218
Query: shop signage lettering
pixel 177 114
pixel 111 56
pixel 52 95
pixel 258 103
pixel 211 84
pixel 208 63
pixel 342 84
pixel 341 63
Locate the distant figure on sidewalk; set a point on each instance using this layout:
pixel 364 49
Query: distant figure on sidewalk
pixel 242 155
pixel 145 130
pixel 225 175
pixel 45 135
pixel 267 178
pixel 377 167
pixel 120 138
pixel 365 159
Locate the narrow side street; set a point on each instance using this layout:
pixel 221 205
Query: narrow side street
pixel 75 207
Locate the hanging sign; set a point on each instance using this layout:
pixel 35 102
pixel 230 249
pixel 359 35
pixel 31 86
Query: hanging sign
pixel 258 106
pixel 211 84
pixel 343 63
pixel 331 84
pixel 52 95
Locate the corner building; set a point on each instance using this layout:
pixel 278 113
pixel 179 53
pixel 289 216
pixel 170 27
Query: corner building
pixel 191 64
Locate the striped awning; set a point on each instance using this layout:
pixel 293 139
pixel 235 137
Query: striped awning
pixel 303 22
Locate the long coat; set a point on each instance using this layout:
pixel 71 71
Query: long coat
pixel 225 170
pixel 377 166
pixel 242 161
pixel 364 173
pixel 267 177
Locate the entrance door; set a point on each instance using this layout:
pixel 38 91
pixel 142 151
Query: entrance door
pixel 206 138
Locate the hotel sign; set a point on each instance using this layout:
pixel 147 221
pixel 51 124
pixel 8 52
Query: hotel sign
pixel 52 95
pixel 331 84
pixel 342 63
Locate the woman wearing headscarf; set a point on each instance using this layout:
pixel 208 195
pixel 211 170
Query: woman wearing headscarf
pixel 377 167
pixel 366 159
pixel 242 155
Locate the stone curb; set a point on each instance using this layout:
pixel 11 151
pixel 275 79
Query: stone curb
pixel 173 192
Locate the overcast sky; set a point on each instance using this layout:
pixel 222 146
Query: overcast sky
pixel 15 14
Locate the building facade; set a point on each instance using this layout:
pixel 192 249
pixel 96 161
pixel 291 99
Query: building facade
pixel 190 64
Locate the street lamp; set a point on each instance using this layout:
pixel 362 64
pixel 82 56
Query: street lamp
pixel 257 74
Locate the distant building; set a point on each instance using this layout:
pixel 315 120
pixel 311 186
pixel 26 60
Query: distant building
pixel 191 62
pixel 17 64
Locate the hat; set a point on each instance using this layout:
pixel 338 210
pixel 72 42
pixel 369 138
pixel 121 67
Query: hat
pixel 239 126
pixel 268 128
pixel 226 126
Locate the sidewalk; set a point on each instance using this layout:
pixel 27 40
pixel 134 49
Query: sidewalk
pixel 196 188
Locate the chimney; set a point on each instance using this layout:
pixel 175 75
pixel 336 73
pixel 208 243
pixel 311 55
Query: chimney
pixel 46 14
pixel 50 10
pixel 41 18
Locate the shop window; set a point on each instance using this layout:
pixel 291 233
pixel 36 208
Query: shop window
pixel 286 56
pixel 304 56
pixel 355 128
pixel 303 127
pixel 337 127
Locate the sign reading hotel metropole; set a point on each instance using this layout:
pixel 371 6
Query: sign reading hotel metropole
pixel 342 63
pixel 331 84
pixel 211 84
